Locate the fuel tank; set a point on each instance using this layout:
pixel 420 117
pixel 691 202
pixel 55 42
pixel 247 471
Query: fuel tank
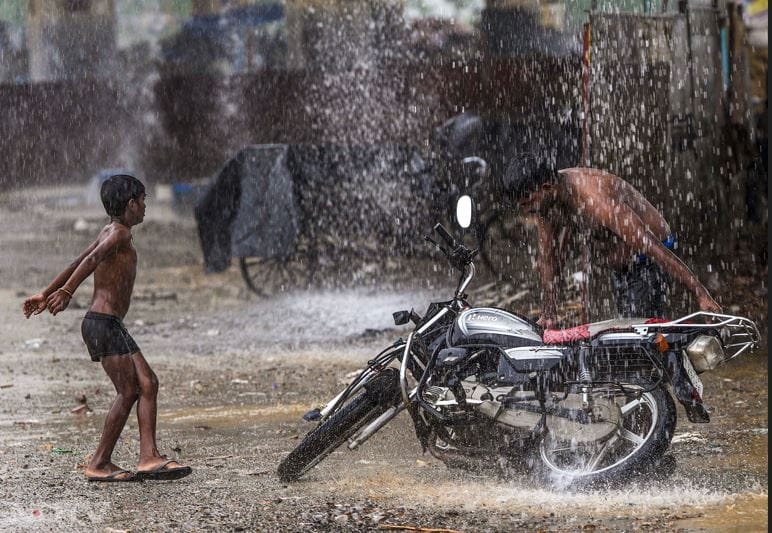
pixel 488 325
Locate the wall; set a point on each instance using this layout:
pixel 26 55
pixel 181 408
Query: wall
pixel 190 125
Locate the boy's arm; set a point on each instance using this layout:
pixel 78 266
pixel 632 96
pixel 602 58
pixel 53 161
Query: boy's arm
pixel 546 266
pixel 60 298
pixel 37 304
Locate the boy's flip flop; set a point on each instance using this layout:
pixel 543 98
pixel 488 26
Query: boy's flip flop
pixel 163 473
pixel 113 477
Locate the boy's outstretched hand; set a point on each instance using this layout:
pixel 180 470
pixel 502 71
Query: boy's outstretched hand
pixel 34 305
pixel 57 301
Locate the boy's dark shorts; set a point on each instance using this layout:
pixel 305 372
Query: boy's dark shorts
pixel 106 335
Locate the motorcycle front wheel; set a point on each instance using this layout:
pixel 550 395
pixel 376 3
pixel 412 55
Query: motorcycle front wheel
pixel 641 437
pixel 378 396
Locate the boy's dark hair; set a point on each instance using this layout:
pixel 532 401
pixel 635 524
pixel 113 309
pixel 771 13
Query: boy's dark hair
pixel 524 174
pixel 116 192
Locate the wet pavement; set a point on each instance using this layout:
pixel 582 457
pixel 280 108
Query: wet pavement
pixel 237 372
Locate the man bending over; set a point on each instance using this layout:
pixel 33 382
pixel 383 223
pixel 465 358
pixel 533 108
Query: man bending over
pixel 637 238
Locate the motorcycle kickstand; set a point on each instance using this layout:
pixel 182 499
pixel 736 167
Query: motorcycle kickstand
pixel 540 429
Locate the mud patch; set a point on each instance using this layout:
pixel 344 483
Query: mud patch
pixel 229 416
pixel 237 372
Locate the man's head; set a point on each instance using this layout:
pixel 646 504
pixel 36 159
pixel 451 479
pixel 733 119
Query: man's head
pixel 121 192
pixel 525 180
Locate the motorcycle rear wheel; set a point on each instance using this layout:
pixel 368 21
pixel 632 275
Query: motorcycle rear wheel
pixel 643 436
pixel 328 436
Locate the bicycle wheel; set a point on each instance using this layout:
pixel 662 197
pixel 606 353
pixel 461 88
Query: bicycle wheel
pixel 268 277
pixel 504 246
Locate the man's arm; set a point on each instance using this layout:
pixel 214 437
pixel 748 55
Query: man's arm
pixel 34 305
pixel 547 267
pixel 60 299
pixel 622 220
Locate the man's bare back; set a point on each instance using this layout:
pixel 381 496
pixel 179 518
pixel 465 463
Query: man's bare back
pixel 588 189
pixel 599 196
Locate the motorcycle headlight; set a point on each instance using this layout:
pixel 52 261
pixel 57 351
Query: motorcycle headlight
pixel 705 352
pixel 464 211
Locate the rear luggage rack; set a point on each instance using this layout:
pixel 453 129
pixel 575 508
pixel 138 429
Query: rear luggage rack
pixel 738 334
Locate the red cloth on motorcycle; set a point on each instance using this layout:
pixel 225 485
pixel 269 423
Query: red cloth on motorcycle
pixel 588 331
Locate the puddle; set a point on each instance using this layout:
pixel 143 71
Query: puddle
pixel 682 506
pixel 520 497
pixel 743 514
pixel 233 416
pixel 324 316
pixel 39 516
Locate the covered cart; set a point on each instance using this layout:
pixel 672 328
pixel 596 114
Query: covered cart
pixel 284 210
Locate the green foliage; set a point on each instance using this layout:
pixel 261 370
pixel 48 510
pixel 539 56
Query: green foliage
pixel 137 7
pixel 13 11
pixel 576 10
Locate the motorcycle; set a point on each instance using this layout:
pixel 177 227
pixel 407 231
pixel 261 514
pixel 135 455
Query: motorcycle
pixel 487 386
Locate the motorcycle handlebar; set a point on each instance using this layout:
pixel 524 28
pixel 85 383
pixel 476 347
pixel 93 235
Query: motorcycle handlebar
pixel 445 235
pixel 458 254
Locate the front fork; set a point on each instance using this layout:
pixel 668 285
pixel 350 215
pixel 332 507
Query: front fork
pixel 373 427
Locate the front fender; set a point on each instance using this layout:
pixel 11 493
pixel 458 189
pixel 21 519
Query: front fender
pixel 383 388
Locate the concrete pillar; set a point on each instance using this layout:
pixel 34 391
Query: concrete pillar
pixel 293 13
pixel 200 8
pixel 70 39
pixel 530 5
pixel 334 32
pixel 349 50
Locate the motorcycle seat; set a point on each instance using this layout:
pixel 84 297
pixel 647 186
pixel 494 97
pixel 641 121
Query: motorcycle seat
pixel 589 331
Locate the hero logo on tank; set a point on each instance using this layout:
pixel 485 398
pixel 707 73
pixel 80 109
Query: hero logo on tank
pixel 483 317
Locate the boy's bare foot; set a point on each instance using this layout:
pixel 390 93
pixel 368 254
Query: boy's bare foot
pixel 163 468
pixel 110 473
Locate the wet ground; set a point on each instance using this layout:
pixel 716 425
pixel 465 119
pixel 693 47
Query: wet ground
pixel 237 372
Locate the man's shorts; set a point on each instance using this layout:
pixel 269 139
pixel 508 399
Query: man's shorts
pixel 106 335
pixel 641 289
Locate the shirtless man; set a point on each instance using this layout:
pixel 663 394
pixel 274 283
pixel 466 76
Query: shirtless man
pixel 113 261
pixel 597 200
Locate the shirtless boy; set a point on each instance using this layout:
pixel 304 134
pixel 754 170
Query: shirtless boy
pixel 637 237
pixel 113 261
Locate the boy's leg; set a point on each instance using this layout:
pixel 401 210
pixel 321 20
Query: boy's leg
pixel 147 413
pixel 120 370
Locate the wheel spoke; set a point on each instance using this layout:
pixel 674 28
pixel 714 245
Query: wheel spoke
pixel 593 463
pixel 630 436
pixel 561 449
pixel 630 406
pixel 267 276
